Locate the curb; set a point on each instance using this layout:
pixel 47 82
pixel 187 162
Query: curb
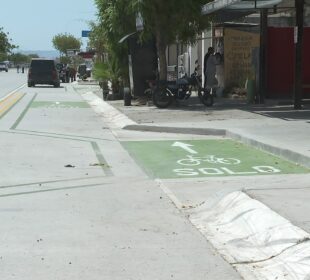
pixel 283 153
pixel 112 116
pixel 119 120
pixel 181 130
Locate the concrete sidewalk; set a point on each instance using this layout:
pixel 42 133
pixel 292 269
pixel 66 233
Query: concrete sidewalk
pixel 280 130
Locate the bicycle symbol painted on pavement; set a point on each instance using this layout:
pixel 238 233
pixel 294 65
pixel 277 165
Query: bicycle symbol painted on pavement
pixel 191 160
pixel 193 165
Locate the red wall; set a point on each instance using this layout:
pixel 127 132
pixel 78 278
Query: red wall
pixel 306 58
pixel 280 62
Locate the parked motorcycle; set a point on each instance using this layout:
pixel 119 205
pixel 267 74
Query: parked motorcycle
pixel 181 89
pixel 205 94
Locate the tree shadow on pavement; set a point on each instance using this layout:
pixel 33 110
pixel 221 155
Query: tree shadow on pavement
pixel 287 113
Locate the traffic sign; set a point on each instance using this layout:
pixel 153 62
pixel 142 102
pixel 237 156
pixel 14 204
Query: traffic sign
pixel 85 33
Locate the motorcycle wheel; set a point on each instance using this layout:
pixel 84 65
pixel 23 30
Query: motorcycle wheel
pixel 205 97
pixel 162 98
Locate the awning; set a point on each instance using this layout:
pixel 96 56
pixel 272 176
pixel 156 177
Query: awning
pixel 238 5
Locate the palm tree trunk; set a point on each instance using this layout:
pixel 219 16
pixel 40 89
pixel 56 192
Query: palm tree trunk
pixel 161 52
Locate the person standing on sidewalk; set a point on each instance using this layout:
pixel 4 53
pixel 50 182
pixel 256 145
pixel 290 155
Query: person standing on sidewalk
pixel 210 72
pixel 219 74
pixel 210 51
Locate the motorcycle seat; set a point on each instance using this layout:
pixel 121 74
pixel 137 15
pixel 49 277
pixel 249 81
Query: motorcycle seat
pixel 182 82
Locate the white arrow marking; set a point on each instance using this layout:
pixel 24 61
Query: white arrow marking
pixel 184 146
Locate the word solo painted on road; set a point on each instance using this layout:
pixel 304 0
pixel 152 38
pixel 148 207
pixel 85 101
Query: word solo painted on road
pixel 221 166
pixel 206 158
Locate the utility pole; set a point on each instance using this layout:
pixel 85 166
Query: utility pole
pixel 298 40
pixel 262 54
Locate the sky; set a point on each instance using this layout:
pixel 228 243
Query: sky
pixel 32 24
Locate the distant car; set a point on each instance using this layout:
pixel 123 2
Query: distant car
pixel 4 67
pixel 43 71
pixel 84 71
pixel 89 69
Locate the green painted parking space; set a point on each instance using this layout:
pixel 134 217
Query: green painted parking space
pixel 58 104
pixel 206 158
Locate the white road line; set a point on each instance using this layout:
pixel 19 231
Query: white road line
pixel 12 92
pixel 170 194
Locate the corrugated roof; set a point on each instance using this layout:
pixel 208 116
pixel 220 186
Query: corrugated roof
pixel 238 5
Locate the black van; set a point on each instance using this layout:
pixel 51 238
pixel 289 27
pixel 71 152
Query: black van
pixel 43 71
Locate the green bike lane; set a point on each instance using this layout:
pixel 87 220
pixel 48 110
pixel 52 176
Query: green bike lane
pixel 206 158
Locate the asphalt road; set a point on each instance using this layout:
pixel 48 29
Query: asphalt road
pixel 11 80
